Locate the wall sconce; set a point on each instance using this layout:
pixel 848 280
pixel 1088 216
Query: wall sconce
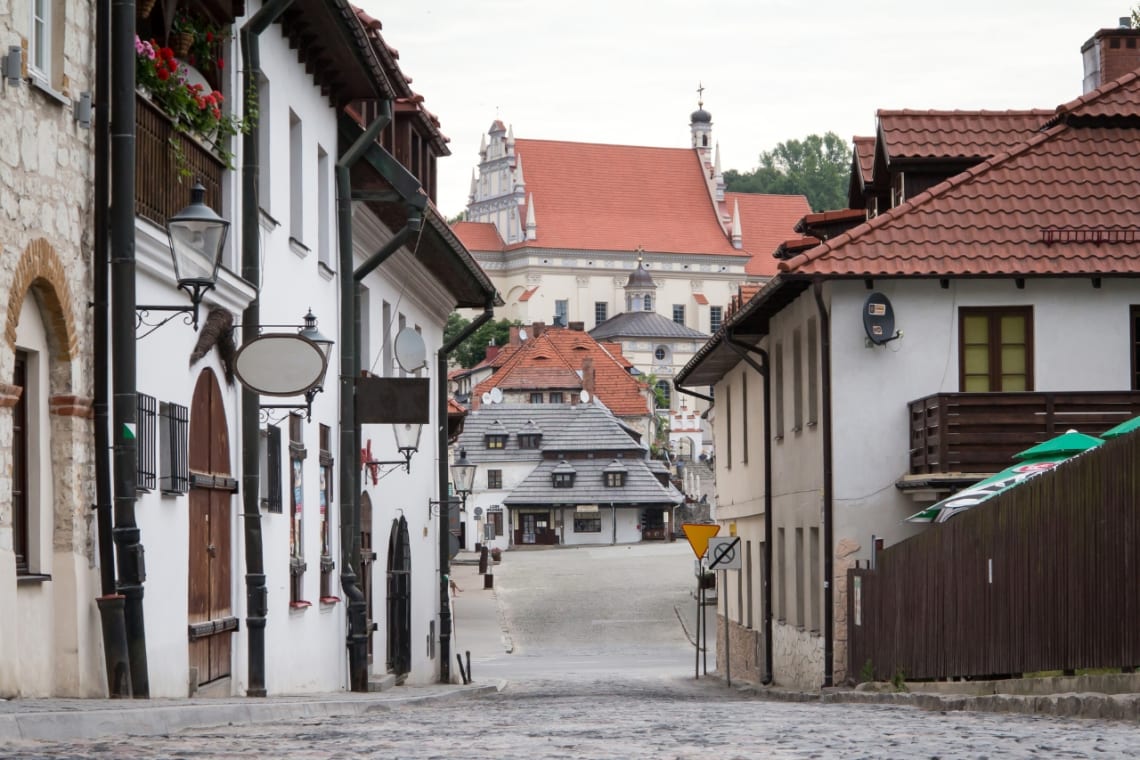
pixel 83 110
pixel 407 443
pixel 462 479
pixel 278 354
pixel 197 236
pixel 13 65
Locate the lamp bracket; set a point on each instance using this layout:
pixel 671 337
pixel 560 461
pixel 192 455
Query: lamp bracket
pixel 267 414
pixel 434 505
pixel 194 288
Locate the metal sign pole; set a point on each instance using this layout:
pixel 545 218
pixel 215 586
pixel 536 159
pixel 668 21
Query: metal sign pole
pixel 727 649
pixel 704 622
pixel 697 647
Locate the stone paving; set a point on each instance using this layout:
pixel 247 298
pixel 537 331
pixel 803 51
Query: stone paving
pixel 578 685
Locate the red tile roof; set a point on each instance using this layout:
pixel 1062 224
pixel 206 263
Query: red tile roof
pixel 552 361
pixel 528 293
pixel 1082 175
pixel 765 221
pixel 865 155
pixel 478 236
pixel 700 298
pixel 955 134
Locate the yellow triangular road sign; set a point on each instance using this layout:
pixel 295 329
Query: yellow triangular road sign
pixel 699 535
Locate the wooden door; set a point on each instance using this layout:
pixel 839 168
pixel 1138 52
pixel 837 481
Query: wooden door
pixel 209 611
pixel 399 599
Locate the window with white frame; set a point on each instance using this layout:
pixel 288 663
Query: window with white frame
pixel 324 210
pixel 561 312
pixel 601 312
pixel 679 313
pixel 716 318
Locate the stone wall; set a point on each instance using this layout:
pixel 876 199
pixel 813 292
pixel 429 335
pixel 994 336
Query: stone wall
pixel 797 657
pixel 746 651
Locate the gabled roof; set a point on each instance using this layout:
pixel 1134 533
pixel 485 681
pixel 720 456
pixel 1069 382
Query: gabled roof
pixel 565 428
pixel 479 236
pixel 765 221
pixel 642 488
pixel 1000 217
pixel 644 324
pixel 554 361
pixel 864 157
pixel 607 184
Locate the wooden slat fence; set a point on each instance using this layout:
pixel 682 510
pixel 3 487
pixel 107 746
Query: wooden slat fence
pixel 1042 577
pixel 980 432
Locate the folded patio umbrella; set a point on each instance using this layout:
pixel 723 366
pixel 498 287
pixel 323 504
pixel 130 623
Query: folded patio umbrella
pixel 1124 427
pixel 1033 461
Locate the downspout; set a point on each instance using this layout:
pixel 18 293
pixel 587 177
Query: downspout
pixel 694 394
pixel 444 501
pixel 740 347
pixel 256 593
pixel 126 534
pixel 828 489
pixel 356 606
pixel 111 604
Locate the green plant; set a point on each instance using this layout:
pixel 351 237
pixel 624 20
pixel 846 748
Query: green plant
pixel 898 680
pixel 192 109
pixel 867 673
pixel 205 51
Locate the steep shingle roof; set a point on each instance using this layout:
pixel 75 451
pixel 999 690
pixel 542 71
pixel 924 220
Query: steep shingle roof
pixel 644 324
pixel 565 428
pixel 642 488
pixel 908 134
pixel 479 236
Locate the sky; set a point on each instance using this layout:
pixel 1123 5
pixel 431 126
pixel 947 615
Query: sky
pixel 626 72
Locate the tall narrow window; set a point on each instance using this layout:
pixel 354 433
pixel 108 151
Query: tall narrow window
pixel 797 382
pixel 816 585
pixel 748 577
pixel 1136 348
pixel 728 426
pixel 782 570
pixel 174 433
pixel 561 312
pixel 601 312
pixel 716 318
pixel 679 313
pixel 996 349
pixel 39 44
pixel 265 165
pixel 799 590
pixel 494 480
pixel 386 339
pixel 812 373
pixel 324 210
pixel 778 388
pixel 20 454
pixel 297 503
pixel 325 492
pixel 296 180
pixel 744 417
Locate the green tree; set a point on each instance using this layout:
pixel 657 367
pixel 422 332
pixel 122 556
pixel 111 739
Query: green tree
pixel 817 166
pixel 474 349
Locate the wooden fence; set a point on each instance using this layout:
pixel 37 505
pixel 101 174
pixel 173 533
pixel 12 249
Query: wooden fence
pixel 1042 577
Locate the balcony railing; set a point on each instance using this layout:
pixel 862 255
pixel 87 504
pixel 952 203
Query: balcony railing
pixel 162 188
pixel 980 432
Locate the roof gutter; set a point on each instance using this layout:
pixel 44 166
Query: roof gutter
pixel 828 486
pixel 740 347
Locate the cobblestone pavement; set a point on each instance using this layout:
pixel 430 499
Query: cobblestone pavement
pixel 601 669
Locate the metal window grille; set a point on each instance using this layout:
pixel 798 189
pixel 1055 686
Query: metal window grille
pixel 175 433
pixel 145 442
pixel 273 469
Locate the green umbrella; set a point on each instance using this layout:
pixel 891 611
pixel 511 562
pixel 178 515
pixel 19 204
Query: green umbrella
pixel 1032 461
pixel 1124 427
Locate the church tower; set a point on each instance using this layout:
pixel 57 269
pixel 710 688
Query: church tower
pixel 700 129
pixel 640 290
pixel 498 192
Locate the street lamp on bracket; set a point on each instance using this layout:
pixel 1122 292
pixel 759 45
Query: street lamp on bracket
pixel 462 479
pixel 197 237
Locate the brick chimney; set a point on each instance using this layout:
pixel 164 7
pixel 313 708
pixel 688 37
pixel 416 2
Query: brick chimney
pixel 536 329
pixel 492 351
pixel 1110 54
pixel 588 375
pixel 513 340
pixel 579 326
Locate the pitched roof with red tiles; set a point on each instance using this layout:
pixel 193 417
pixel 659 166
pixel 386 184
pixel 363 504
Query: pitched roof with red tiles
pixel 766 220
pixel 907 134
pixel 479 236
pixel 552 362
pixel 1080 177
pixel 865 156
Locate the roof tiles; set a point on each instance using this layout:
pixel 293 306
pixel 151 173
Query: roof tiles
pixel 766 220
pixel 962 135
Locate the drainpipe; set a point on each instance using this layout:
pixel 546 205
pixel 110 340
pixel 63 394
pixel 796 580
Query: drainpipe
pixel 126 534
pixel 694 394
pixel 256 593
pixel 828 488
pixel 740 347
pixel 356 606
pixel 444 501
pixel 111 604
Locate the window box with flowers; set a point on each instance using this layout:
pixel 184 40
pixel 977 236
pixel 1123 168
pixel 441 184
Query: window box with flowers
pixel 181 92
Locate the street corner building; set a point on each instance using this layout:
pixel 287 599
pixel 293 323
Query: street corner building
pixel 252 267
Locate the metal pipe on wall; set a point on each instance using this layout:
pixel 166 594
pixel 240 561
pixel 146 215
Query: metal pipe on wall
pixel 828 486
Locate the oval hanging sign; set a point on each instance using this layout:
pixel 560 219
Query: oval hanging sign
pixel 280 364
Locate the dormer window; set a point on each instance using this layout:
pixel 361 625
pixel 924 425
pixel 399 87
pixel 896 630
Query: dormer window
pixel 614 474
pixel 529 440
pixel 563 475
pixel 496 441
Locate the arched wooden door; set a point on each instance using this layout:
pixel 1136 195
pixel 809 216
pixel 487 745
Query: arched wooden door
pixel 399 599
pixel 210 613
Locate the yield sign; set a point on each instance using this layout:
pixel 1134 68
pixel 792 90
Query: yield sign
pixel 699 535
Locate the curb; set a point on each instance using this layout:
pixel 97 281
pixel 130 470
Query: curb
pixel 171 717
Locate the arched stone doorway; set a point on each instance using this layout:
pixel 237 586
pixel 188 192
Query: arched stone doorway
pixel 210 611
pixel 399 599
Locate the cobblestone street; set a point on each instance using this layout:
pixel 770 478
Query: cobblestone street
pixel 578 686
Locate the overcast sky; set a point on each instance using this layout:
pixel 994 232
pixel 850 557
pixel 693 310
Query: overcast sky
pixel 626 72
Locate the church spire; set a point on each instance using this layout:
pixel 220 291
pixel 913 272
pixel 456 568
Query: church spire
pixel 531 227
pixel 737 227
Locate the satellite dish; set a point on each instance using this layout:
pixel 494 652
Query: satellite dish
pixel 280 364
pixel 584 396
pixel 411 354
pixel 522 333
pixel 486 397
pixel 879 319
pixel 496 395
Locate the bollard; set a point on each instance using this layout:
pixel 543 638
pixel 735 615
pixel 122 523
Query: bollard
pixel 488 581
pixel 483 561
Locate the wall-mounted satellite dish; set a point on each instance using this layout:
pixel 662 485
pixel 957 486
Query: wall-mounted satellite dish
pixel 486 398
pixel 584 396
pixel 879 319
pixel 522 333
pixel 496 396
pixel 410 352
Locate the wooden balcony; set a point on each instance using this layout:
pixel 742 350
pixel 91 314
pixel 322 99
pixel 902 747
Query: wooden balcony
pixel 162 182
pixel 980 432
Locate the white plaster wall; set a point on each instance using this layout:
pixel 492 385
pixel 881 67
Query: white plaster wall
pixel 513 474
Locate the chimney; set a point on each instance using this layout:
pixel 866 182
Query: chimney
pixel 536 329
pixel 588 375
pixel 579 326
pixel 1110 54
pixel 514 336
pixel 492 351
